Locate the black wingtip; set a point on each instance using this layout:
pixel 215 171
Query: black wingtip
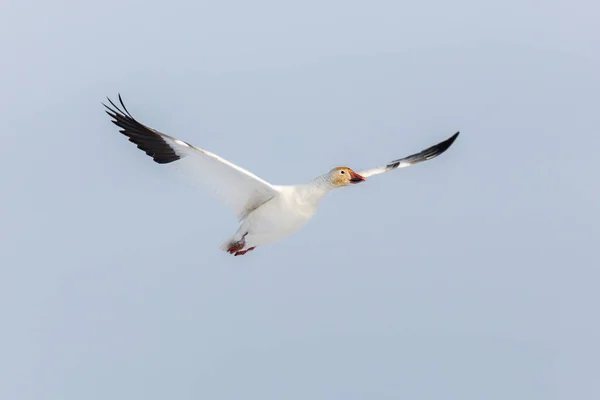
pixel 452 138
pixel 435 150
pixel 148 140
pixel 445 145
pixel 116 108
pixel 424 155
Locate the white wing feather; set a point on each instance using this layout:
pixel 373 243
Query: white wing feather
pixel 413 159
pixel 234 186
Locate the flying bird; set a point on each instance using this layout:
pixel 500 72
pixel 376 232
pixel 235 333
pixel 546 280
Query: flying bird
pixel 266 212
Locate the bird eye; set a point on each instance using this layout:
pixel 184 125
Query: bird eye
pixel 342 172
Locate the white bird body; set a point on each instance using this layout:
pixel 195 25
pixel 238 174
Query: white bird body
pixel 280 216
pixel 267 213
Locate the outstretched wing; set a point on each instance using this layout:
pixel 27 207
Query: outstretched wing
pixel 239 189
pixel 413 159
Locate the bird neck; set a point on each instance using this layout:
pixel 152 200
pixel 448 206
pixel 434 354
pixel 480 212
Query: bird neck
pixel 322 183
pixel 312 192
pixel 319 187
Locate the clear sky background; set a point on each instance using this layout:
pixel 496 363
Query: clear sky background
pixel 471 276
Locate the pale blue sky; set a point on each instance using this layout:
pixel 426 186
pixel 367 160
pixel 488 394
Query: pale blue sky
pixel 472 276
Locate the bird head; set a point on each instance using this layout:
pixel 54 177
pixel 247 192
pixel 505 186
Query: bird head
pixel 344 176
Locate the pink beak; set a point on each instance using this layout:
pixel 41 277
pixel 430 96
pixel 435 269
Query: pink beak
pixel 356 178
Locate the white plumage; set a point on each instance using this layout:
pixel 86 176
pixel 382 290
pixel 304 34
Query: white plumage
pixel 266 212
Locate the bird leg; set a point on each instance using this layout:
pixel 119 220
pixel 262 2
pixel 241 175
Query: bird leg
pixel 236 247
pixel 241 253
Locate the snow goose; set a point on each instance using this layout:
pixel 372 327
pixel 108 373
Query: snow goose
pixel 266 212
